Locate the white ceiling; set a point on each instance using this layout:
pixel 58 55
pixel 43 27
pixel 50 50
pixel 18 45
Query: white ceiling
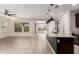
pixel 37 11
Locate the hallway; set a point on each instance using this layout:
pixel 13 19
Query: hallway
pixel 25 45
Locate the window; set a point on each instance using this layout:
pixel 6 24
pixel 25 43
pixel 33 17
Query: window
pixel 21 27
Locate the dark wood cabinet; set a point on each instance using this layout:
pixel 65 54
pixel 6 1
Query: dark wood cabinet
pixel 62 45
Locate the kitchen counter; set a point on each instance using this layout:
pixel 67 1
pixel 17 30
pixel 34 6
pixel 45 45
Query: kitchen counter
pixel 62 44
pixel 65 36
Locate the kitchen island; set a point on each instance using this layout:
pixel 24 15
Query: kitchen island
pixel 61 44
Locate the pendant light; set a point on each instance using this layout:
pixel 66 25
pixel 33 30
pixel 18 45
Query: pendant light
pixel 51 18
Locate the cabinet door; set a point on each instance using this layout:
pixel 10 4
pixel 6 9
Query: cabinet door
pixel 65 45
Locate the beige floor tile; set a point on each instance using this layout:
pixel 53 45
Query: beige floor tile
pixel 25 45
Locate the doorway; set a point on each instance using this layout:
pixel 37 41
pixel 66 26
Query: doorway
pixel 41 28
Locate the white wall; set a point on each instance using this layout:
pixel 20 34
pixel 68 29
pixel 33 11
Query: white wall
pixel 31 28
pixel 64 24
pixel 3 32
pixel 51 27
pixel 72 20
pixel 9 31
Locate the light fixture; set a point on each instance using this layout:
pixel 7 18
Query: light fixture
pixel 51 13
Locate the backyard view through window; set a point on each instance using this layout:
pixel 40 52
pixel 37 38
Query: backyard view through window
pixel 21 27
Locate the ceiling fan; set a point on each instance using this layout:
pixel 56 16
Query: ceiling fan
pixel 7 12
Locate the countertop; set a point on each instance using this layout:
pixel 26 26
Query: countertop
pixel 62 36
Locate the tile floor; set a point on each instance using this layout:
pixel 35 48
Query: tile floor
pixel 25 45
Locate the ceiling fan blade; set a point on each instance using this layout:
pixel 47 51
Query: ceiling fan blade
pixel 11 14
